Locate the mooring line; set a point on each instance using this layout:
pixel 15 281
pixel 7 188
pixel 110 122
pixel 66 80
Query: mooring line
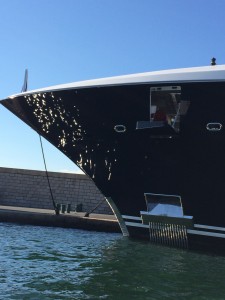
pixel 46 172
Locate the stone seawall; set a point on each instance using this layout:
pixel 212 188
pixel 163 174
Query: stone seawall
pixel 28 188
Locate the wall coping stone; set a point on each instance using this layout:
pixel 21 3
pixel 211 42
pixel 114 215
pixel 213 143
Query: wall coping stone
pixel 43 173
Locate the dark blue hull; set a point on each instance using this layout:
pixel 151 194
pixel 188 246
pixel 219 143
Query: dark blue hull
pixel 101 130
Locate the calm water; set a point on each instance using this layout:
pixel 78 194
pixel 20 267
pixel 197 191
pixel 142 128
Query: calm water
pixel 54 263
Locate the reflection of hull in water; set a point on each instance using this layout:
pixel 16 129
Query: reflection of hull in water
pixel 113 130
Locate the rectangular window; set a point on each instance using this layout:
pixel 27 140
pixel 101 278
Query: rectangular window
pixel 166 109
pixel 167 106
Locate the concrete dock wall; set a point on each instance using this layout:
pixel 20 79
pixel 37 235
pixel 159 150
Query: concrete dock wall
pixel 28 188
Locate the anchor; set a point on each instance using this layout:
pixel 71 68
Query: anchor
pixel 167 223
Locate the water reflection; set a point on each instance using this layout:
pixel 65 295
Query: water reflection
pixel 63 120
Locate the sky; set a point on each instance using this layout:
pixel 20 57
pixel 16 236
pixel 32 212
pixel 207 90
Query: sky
pixel 62 41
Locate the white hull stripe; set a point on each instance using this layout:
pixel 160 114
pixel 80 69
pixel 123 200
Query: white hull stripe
pixel 189 231
pixel 206 233
pixel 137 225
pixel 209 227
pixel 131 218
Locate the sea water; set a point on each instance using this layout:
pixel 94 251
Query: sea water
pixel 55 263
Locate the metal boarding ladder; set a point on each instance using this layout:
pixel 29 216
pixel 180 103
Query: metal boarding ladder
pixel 167 224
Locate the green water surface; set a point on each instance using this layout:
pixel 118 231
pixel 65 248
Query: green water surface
pixel 54 263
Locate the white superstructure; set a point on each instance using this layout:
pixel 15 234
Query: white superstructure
pixel 197 74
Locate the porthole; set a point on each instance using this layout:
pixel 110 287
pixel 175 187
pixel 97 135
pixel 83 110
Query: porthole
pixel 120 128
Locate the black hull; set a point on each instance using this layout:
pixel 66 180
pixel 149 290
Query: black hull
pixel 125 165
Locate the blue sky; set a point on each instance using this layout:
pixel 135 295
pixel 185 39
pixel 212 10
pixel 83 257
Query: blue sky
pixel 62 41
